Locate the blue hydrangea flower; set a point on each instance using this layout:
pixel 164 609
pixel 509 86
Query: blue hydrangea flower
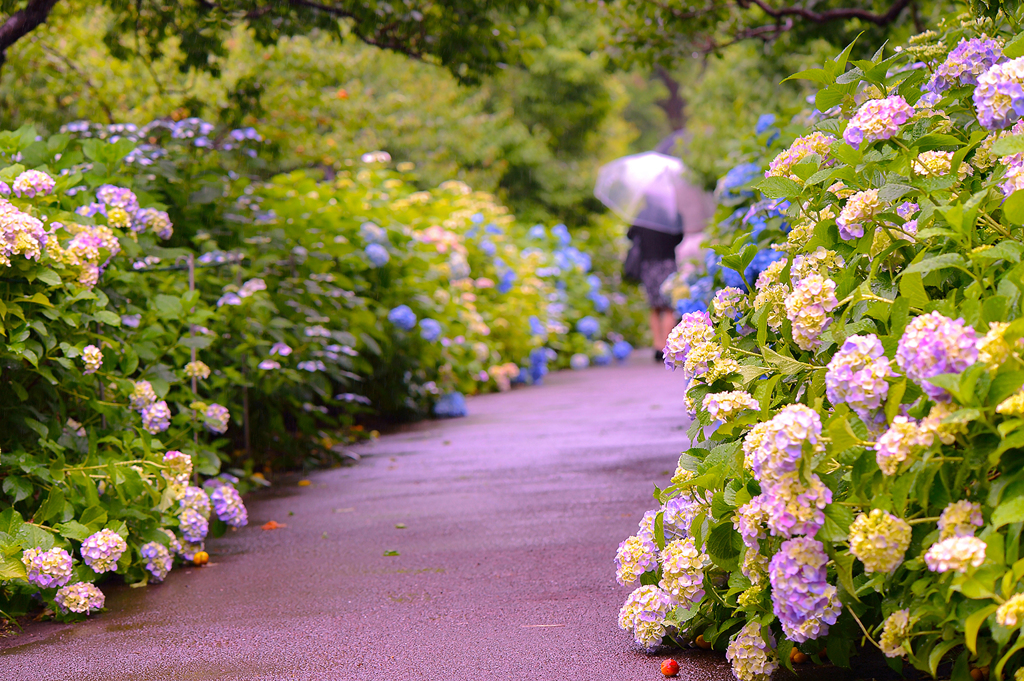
pixel 227 504
pixel 730 186
pixel 761 261
pixel 492 228
pixel 601 301
pixel 687 305
pixel 488 247
pixel 588 326
pixel 508 280
pixel 712 261
pixel 701 289
pixel 403 317
pixel 537 328
pixel 621 350
pixel 452 405
pixel 579 361
pixel 377 255
pixel 430 330
pixel 537 232
pixel 561 232
pixel 373 234
pixel 602 354
pixel 764 122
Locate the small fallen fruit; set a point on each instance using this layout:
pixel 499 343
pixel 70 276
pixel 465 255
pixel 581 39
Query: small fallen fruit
pixel 201 558
pixel 797 657
pixel 702 642
pixel 670 667
pixel 304 483
pixel 273 525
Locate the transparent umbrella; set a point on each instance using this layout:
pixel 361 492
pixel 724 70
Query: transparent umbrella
pixel 644 190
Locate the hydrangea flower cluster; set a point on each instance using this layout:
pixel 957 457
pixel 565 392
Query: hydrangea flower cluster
pixel 1012 405
pixel 805 603
pixel 216 418
pixel 377 255
pixel 156 221
pixel 749 521
pixel 20 234
pixel 430 330
pixel 403 317
pixel 678 515
pixel 682 565
pixel 955 554
pixel 993 349
pixel 156 418
pixel 794 508
pixel 635 556
pixel 808 308
pixel 880 540
pixel 158 560
pixel 93 359
pixel 877 119
pixel 999 97
pixel 194 526
pixel 102 550
pixel 777 448
pixel 1011 612
pixel 644 614
pixel 725 406
pixel 693 329
pixel 47 569
pixel 821 261
pixel 81 598
pixel 899 443
pixel 33 183
pixel 933 344
pixel 857 376
pixel 968 60
pixel 228 506
pixel 179 467
pixel 198 370
pixel 142 395
pixel 730 302
pixel 752 658
pixel 937 164
pixel 197 499
pixel 816 143
pixel 960 519
pixel 860 208
pixel 895 632
pixel 174 547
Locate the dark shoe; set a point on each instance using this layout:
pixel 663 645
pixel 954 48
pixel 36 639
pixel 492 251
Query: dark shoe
pixel 659 356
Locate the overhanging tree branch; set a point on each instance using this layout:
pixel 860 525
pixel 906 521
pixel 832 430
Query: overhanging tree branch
pixel 838 14
pixel 22 22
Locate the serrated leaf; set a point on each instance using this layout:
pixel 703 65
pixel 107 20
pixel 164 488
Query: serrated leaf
pixel 11 568
pixel 787 366
pixel 779 188
pixel 937 262
pixel 893 191
pixel 73 530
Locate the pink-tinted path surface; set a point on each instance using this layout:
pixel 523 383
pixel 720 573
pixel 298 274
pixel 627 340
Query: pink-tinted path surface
pixel 511 519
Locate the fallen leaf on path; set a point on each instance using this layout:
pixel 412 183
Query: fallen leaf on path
pixel 304 483
pixel 400 526
pixel 392 553
pixel 273 525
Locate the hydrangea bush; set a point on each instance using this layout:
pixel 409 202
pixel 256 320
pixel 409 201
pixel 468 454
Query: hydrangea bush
pixel 857 447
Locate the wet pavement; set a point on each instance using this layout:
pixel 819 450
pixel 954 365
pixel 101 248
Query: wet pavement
pixel 503 527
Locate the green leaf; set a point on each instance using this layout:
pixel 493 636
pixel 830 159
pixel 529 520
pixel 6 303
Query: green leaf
pixel 53 507
pixel 1005 146
pixel 938 652
pixel 107 317
pixel 779 188
pixel 837 524
pixel 912 286
pixel 892 192
pixel 1013 208
pixel 17 487
pixel 935 141
pixel 787 366
pixel 973 623
pixel 937 262
pixel 842 435
pixel 11 568
pixel 1010 511
pixel 720 546
pixel 819 76
pixel 73 530
pixel 844 570
pixel 1014 48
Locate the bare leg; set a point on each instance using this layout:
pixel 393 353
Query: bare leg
pixel 656 338
pixel 668 321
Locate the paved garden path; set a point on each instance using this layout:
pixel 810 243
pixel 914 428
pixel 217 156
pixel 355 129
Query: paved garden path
pixel 505 524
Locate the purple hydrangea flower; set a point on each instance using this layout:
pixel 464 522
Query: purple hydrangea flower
pixel 430 330
pixel 197 499
pixel 102 550
pixel 194 526
pixel 32 183
pixel 158 560
pixel 694 328
pixel 999 97
pixel 156 418
pixel 155 220
pixel 782 443
pixel 216 418
pixel 80 597
pixel 377 255
pixel 47 569
pixel 856 375
pixel 588 326
pixel 794 508
pixel 635 556
pixel 805 603
pixel 228 506
pixel 933 344
pixel 877 119
pixel 968 60
pixel 118 197
pixel 5 189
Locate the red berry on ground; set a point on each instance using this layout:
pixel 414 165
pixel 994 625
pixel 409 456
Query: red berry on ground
pixel 669 667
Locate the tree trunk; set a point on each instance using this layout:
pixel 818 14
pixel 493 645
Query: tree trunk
pixel 674 105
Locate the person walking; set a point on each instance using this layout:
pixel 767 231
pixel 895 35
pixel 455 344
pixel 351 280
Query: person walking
pixel 657 263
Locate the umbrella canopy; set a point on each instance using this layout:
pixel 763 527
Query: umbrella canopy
pixel 644 190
